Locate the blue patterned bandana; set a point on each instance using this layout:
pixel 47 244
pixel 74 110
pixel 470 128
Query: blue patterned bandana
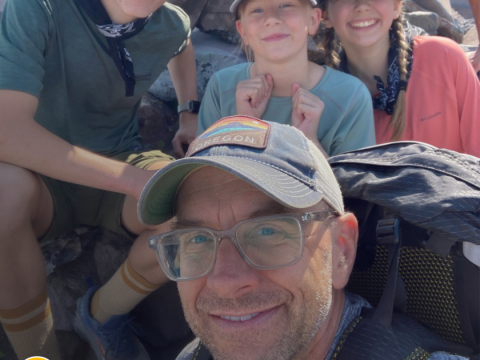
pixel 115 35
pixel 387 97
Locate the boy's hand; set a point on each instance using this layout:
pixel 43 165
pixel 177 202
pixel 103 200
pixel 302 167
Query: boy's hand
pixel 252 95
pixel 306 112
pixel 186 133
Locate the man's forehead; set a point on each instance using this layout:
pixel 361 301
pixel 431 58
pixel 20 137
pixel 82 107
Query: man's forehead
pixel 212 188
pixel 187 219
pixel 208 178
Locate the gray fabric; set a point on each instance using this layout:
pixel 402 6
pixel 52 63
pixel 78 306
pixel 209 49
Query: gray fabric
pixel 435 189
pixel 352 309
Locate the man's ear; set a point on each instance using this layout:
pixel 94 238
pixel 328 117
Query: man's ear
pixel 315 19
pixel 344 249
pixel 241 32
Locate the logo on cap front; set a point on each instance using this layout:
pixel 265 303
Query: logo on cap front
pixel 234 130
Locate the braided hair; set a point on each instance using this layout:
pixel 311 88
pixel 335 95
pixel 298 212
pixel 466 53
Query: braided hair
pixel 330 45
pixel 397 122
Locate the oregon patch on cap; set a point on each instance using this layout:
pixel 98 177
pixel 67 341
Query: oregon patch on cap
pixel 234 130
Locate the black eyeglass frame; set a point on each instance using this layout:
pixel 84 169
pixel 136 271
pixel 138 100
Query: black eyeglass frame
pixel 303 219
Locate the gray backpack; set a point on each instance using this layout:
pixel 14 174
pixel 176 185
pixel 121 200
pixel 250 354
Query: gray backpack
pixel 419 249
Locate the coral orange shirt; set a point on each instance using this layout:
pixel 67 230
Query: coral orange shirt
pixel 443 99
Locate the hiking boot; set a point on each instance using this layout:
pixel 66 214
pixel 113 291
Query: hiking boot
pixel 115 339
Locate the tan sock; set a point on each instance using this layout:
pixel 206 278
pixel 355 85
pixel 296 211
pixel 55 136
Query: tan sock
pixel 30 329
pixel 120 294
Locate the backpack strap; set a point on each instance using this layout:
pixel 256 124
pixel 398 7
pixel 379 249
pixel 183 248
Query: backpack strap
pixel 405 339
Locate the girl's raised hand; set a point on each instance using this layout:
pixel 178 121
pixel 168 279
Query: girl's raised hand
pixel 306 112
pixel 252 95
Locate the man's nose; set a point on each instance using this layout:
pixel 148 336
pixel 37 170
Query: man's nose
pixel 231 276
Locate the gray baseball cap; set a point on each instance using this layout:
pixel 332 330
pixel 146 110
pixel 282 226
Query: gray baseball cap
pixel 236 3
pixel 277 159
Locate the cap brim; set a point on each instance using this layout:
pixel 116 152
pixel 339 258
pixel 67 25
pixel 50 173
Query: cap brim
pixel 157 200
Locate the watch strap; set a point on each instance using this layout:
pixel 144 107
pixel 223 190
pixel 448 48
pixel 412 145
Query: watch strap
pixel 192 106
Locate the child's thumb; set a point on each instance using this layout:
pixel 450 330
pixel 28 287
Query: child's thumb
pixel 270 79
pixel 295 88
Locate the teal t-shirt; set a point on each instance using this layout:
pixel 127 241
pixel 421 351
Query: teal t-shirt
pixel 52 50
pixel 346 122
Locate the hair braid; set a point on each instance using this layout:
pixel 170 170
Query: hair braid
pixel 330 45
pixel 397 121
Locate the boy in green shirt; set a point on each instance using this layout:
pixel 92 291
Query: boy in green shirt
pixel 72 73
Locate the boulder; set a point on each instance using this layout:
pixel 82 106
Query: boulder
pixel 193 8
pixel 447 29
pixel 437 7
pixel 451 29
pixel 158 122
pixel 211 55
pixel 471 37
pixel 217 20
pixel 428 21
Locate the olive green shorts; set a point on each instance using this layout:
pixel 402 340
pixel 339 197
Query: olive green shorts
pixel 76 205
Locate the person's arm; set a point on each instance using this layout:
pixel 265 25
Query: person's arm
pixel 25 143
pixel 183 71
pixel 475 59
pixel 357 129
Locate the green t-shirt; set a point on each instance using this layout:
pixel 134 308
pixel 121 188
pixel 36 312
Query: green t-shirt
pixel 52 50
pixel 346 122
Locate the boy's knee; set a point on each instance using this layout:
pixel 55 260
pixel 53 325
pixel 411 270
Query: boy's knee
pixel 20 191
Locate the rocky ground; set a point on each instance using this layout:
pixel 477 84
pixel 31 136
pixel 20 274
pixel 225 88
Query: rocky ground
pixel 96 253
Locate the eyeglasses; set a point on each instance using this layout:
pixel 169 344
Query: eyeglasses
pixel 269 242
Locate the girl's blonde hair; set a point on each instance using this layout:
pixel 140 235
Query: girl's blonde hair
pixel 330 46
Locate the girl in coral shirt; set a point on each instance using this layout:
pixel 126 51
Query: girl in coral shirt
pixel 423 88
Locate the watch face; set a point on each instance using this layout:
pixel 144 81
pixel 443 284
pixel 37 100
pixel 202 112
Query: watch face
pixel 194 106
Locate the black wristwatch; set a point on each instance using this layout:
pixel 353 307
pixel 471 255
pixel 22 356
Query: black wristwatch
pixel 192 106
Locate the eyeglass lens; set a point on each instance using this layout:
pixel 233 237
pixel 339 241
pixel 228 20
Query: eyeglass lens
pixel 266 243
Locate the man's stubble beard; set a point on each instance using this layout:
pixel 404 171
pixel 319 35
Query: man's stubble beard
pixel 302 323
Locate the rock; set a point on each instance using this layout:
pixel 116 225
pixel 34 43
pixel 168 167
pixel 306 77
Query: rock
pixel 437 7
pixel 68 282
pixel 211 55
pixel 463 7
pixel 447 29
pixel 428 21
pixel 193 8
pixel 158 123
pixel 452 30
pixel 165 329
pixel 471 38
pixel 410 6
pixel 217 20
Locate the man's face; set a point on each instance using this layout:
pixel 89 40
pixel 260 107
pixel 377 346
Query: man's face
pixel 240 312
